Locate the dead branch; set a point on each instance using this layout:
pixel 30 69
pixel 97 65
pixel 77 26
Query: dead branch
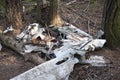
pixel 89 30
pixel 87 7
pixel 71 2
pixel 18 47
pixel 76 19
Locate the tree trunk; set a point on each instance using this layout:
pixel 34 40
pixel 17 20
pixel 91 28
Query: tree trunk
pixel 42 11
pixel 39 13
pixel 112 23
pixel 14 17
pixel 55 18
pixel 14 14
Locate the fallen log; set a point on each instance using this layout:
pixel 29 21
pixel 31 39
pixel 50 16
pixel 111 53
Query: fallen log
pixel 8 41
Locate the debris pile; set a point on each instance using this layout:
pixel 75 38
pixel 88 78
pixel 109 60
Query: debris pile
pixel 62 43
pixel 34 37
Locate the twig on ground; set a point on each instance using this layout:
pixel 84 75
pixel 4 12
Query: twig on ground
pixel 89 27
pixel 87 7
pixel 76 19
pixel 95 22
pixel 71 2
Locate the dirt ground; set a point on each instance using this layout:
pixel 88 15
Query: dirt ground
pixel 12 64
pixel 87 16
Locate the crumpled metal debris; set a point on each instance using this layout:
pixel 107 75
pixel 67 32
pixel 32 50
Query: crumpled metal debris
pixel 30 48
pixel 97 61
pixel 78 40
pixel 99 34
pixel 9 29
pixel 0 46
pixel 31 32
pixel 74 41
pixel 70 29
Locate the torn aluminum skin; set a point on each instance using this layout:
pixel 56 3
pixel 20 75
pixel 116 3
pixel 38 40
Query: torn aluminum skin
pixel 59 68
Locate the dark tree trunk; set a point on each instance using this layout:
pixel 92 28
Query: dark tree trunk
pixel 55 18
pixel 14 14
pixel 42 11
pixel 111 23
pixel 39 13
pixel 14 17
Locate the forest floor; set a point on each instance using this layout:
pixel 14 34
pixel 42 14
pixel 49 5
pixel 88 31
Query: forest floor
pixel 87 16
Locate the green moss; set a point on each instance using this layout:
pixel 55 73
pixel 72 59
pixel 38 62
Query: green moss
pixel 112 26
pixel 114 30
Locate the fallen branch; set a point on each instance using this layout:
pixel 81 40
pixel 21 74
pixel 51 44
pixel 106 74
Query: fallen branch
pixel 87 7
pixel 18 47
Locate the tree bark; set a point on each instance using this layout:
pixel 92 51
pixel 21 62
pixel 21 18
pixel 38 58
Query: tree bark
pixel 55 18
pixel 112 23
pixel 14 14
pixel 39 13
pixel 42 11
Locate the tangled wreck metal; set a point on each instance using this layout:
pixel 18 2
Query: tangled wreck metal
pixel 62 43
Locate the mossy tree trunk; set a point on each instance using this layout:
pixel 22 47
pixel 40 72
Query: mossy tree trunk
pixel 55 18
pixel 14 14
pixel 112 23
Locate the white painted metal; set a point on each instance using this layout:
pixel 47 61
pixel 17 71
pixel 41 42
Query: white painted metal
pixel 77 42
